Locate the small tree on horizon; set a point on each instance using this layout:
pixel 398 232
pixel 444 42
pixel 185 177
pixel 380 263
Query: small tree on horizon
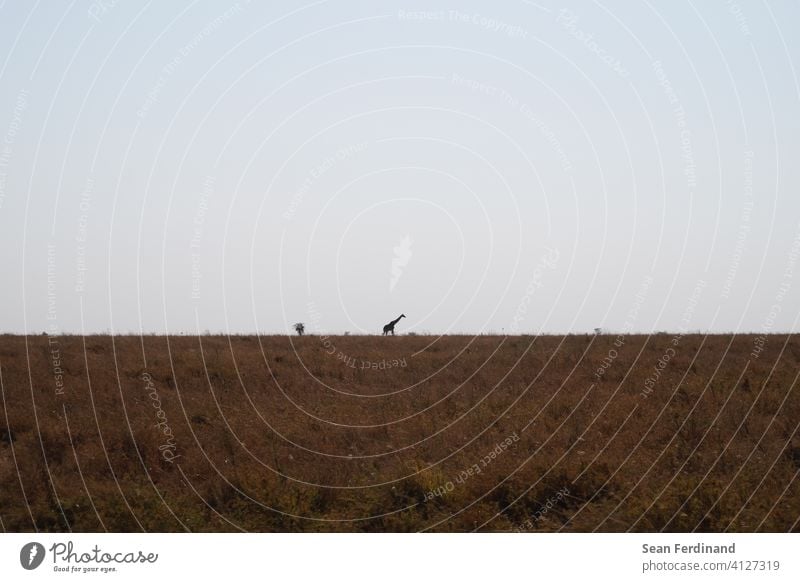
pixel 300 328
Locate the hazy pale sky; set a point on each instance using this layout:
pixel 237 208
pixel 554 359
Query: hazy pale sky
pixel 511 167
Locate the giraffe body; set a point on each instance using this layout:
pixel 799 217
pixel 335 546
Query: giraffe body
pixel 389 327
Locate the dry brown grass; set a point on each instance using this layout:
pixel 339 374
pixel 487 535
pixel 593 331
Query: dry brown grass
pixel 275 434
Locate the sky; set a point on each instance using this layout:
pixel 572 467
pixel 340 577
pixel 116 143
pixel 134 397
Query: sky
pixel 516 167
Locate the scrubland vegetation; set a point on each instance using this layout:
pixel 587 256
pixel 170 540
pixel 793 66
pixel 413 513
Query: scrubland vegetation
pixel 406 433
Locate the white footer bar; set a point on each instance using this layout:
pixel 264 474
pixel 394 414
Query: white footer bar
pixel 355 557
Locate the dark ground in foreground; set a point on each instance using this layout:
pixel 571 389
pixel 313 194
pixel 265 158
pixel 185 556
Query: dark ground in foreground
pixel 357 433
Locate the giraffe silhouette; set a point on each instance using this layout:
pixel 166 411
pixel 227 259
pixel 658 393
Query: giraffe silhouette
pixel 389 327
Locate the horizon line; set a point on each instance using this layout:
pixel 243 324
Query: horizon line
pixel 609 333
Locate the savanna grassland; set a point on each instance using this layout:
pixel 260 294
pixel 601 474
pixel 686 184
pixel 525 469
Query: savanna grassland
pixel 366 433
